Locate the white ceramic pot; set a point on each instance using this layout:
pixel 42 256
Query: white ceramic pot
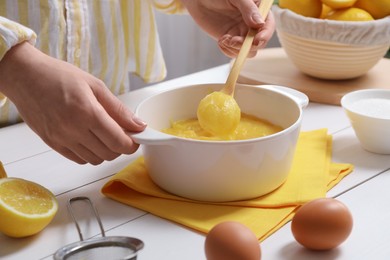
pixel 220 171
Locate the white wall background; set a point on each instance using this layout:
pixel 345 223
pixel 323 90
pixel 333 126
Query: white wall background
pixel 187 49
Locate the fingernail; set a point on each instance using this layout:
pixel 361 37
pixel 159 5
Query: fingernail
pixel 257 18
pixel 262 40
pixel 261 44
pixel 225 41
pixel 234 44
pixel 138 121
pixel 222 41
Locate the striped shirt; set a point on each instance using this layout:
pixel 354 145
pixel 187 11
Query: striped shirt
pixel 107 38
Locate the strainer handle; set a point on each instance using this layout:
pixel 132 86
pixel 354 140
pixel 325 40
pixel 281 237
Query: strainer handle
pixel 70 209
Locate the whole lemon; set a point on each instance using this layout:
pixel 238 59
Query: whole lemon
pixel 350 14
pixel 338 4
pixel 325 11
pixel 308 8
pixel 377 8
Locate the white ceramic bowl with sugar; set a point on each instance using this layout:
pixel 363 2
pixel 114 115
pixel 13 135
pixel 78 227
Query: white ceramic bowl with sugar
pixel 369 113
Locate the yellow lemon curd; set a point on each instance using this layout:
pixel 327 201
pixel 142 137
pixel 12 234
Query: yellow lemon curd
pixel 248 127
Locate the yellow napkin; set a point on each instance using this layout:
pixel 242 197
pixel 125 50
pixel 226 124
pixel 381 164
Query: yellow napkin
pixel 311 176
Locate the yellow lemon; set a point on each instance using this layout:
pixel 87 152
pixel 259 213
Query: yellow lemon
pixel 3 174
pixel 25 207
pixel 377 8
pixel 325 11
pixel 219 113
pixel 309 8
pixel 350 14
pixel 338 4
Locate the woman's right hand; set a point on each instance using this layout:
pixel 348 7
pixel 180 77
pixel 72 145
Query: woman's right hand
pixel 72 111
pixel 227 21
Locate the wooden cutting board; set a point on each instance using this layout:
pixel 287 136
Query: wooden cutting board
pixel 272 66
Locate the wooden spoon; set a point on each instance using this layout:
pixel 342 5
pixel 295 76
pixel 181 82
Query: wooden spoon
pixel 218 113
pixel 230 84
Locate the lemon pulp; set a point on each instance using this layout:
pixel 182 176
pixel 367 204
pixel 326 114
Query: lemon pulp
pixel 218 113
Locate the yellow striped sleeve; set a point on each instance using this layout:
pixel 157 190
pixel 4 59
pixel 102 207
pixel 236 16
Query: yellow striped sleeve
pixel 23 12
pixel 137 32
pixel 151 48
pixel 125 11
pixel 12 33
pixel 116 54
pixel 44 42
pixel 169 6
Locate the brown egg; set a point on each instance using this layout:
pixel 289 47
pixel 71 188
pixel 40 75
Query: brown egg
pixel 232 240
pixel 322 224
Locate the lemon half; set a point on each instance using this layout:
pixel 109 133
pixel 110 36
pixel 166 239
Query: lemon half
pixel 26 207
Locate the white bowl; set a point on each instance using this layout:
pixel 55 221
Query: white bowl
pixel 329 49
pixel 369 113
pixel 220 170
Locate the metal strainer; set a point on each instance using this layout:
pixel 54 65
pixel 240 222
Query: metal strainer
pixel 102 248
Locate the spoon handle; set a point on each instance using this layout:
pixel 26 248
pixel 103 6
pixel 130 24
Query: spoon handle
pixel 264 8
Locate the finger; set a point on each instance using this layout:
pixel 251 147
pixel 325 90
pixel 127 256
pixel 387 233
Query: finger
pixel 265 33
pixel 69 155
pixel 110 121
pixel 233 45
pixel 227 50
pixel 93 152
pixel 96 146
pixel 64 151
pixel 250 12
pixel 86 154
pixel 111 134
pixel 118 111
pixel 252 53
pixel 232 42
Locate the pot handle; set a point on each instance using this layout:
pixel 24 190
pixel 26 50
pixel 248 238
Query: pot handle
pixel 152 137
pixel 299 97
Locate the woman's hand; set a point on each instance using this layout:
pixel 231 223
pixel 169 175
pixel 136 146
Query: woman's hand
pixel 72 111
pixel 228 21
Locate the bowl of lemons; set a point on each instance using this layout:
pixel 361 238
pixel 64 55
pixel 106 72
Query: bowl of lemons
pixel 333 39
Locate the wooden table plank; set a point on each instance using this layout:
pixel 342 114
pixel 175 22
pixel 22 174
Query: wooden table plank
pixel 272 66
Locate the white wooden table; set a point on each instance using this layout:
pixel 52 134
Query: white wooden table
pixel 366 192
